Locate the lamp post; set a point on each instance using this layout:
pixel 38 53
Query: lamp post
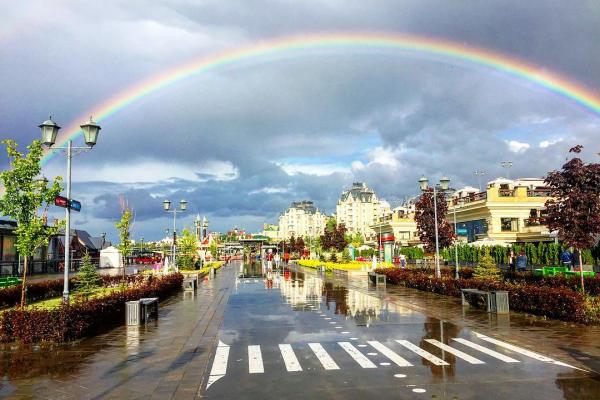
pixel 49 130
pixel 443 186
pixel 479 174
pixel 175 211
pixel 507 165
pixel 456 234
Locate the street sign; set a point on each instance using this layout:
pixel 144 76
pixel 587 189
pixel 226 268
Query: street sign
pixel 63 202
pixel 75 205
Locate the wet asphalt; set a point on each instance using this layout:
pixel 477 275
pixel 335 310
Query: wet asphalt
pixel 270 313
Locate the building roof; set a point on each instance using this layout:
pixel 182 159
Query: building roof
pixel 305 205
pixel 359 191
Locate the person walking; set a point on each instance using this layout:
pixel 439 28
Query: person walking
pixel 565 258
pixel 575 261
pixel 402 261
pixel 511 261
pixel 521 262
pixel 277 260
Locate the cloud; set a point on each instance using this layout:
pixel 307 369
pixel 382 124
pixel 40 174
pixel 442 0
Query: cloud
pixel 517 147
pixel 313 169
pixel 547 143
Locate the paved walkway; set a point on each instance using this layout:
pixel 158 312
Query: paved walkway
pixel 162 360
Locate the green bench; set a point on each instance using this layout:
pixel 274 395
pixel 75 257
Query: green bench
pixel 586 274
pixel 550 271
pixel 10 281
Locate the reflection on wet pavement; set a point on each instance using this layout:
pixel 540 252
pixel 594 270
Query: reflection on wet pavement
pixel 256 334
pixel 341 335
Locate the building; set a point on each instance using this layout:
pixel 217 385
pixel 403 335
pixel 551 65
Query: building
pixel 359 208
pixel 302 219
pixel 271 231
pixel 396 229
pixel 508 211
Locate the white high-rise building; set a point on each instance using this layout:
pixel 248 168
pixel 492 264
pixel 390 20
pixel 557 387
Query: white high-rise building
pixel 300 220
pixel 359 208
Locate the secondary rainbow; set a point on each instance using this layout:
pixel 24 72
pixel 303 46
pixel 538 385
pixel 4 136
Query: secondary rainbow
pixel 451 51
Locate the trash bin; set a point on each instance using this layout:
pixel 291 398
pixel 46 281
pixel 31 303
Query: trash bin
pixel 132 313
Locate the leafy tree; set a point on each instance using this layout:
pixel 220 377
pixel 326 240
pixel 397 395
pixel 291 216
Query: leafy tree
pixel 292 244
pixel 487 268
pixel 124 227
pixel 574 210
pixel 334 237
pixel 188 250
pixel 333 257
pixel 214 250
pixel 300 246
pixel 346 255
pixel 26 199
pixel 88 277
pixel 425 219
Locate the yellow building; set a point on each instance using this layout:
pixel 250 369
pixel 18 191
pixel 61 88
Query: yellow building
pixel 271 231
pixel 396 229
pixel 508 211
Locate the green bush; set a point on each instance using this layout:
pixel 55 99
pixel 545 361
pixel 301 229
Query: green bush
pixel 487 269
pixel 88 277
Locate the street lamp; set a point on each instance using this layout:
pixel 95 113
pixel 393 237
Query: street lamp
pixel 507 165
pixel 49 130
pixel 479 174
pixel 443 186
pixel 167 208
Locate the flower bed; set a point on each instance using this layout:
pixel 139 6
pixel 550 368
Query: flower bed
pixel 554 302
pixel 81 318
pixel 330 265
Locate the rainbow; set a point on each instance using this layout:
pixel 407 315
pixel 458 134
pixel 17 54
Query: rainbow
pixel 447 50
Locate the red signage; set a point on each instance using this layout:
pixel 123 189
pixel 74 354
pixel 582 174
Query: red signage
pixel 61 201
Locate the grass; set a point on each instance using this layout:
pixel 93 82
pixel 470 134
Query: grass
pixel 55 302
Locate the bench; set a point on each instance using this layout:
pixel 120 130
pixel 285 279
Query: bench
pixel 10 281
pixel 494 301
pixel 377 279
pixel 140 311
pixel 189 284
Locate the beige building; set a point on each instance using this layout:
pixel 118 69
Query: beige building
pixel 271 231
pixel 359 208
pixel 508 211
pixel 400 225
pixel 300 220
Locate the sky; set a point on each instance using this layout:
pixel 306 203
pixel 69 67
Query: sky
pixel 240 143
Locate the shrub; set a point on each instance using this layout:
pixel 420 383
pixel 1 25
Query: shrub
pixel 487 268
pixel 88 278
pixel 553 302
pixel 83 318
pixel 333 257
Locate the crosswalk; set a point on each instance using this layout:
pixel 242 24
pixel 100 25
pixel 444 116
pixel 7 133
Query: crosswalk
pixel 327 361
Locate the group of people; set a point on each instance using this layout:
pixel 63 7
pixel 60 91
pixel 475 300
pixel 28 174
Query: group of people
pixel 519 262
pixel 570 259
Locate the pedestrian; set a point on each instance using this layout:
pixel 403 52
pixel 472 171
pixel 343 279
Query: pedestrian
pixel 277 260
pixel 286 257
pixel 575 260
pixel 402 261
pixel 511 261
pixel 521 262
pixel 565 258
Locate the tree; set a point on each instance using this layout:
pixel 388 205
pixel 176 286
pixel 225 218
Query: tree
pixel 425 219
pixel 124 227
pixel 574 210
pixel 300 246
pixel 487 268
pixel 188 250
pixel 26 199
pixel 334 237
pixel 88 278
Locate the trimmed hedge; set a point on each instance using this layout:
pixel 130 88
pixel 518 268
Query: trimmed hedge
pixel 553 302
pixel 81 318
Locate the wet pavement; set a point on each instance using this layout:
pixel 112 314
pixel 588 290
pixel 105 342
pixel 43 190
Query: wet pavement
pixel 298 334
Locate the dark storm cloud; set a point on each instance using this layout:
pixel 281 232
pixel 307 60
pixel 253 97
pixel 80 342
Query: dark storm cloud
pixel 224 139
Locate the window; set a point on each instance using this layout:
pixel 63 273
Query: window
pixel 509 224
pixel 9 251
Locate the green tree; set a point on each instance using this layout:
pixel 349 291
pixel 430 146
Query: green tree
pixel 26 199
pixel 88 277
pixel 188 250
pixel 487 268
pixel 214 250
pixel 124 228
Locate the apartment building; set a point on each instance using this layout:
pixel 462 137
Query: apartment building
pixel 303 219
pixel 359 208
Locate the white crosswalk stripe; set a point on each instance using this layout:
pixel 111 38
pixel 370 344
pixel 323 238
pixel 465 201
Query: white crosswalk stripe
pixel 289 358
pixel 219 367
pixel 426 355
pixel 324 357
pixel 523 351
pixel 399 361
pixel 357 355
pixel 255 361
pixel 455 352
pixel 485 350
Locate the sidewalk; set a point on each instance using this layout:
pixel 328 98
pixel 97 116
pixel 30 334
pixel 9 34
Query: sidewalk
pixel 162 360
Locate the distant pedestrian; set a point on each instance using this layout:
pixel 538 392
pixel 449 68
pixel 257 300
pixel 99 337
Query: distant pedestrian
pixel 566 259
pixel 521 262
pixel 575 260
pixel 286 257
pixel 402 261
pixel 511 261
pixel 277 260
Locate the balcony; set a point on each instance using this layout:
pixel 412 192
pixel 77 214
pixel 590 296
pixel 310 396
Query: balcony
pixel 506 193
pixel 470 198
pixel 539 192
pixel 535 221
